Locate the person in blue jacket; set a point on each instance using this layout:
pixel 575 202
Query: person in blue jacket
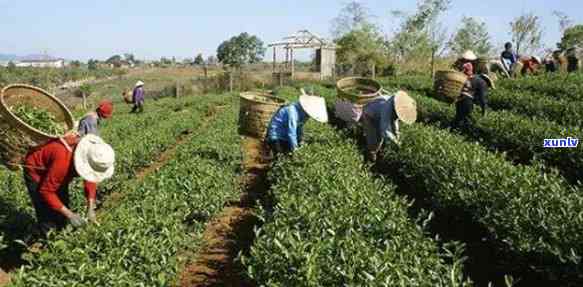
pixel 508 57
pixel 381 118
pixel 285 130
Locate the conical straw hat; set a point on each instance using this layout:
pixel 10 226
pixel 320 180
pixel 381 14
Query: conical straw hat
pixel 406 107
pixel 315 107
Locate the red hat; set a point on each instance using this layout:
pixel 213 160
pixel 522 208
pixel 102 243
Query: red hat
pixel 105 109
pixel 468 69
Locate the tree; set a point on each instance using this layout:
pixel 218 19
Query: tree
pixel 92 64
pixel 472 35
pixel 353 16
pixel 362 49
pixel 572 38
pixel 75 64
pixel 564 21
pixel 420 35
pixel 199 60
pixel 130 58
pixel 527 33
pixel 240 50
pixel 211 60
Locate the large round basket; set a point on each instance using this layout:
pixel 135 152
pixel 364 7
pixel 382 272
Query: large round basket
pixel 17 137
pixel 448 85
pixel 482 66
pixel 256 111
pixel 358 90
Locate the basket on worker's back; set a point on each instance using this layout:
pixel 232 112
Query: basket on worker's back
pixel 256 111
pixel 358 90
pixel 448 85
pixel 16 136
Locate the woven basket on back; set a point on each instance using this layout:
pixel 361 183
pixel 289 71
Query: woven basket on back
pixel 358 90
pixel 17 137
pixel 256 111
pixel 448 85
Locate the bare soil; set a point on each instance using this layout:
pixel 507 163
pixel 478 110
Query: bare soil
pixel 232 231
pixel 4 278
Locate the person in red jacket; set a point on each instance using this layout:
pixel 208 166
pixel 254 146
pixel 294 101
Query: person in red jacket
pixel 530 65
pixel 50 168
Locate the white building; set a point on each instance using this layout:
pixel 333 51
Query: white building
pixel 42 63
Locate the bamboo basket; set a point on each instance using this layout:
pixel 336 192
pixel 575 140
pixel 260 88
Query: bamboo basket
pixel 17 137
pixel 358 90
pixel 482 66
pixel 256 111
pixel 448 85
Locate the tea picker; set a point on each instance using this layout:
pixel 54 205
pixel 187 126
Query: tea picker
pixel 285 130
pixel 138 97
pixel 50 169
pixel 51 161
pixel 380 120
pixel 89 124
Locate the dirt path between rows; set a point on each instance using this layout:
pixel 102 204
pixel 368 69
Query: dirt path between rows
pixel 233 230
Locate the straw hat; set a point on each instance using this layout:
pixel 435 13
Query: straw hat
pixel 405 107
pixel 537 59
pixel 139 83
pixel 470 56
pixel 489 81
pixel 315 107
pixel 94 159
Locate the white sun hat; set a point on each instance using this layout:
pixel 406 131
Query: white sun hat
pixel 406 107
pixel 315 107
pixel 94 159
pixel 139 83
pixel 470 56
pixel 537 59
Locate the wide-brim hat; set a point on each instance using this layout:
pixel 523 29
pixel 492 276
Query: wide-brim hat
pixel 315 107
pixel 94 159
pixel 537 59
pixel 470 56
pixel 139 83
pixel 489 81
pixel 406 107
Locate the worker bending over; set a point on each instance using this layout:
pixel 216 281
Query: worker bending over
pixel 285 130
pixel 89 124
pixel 380 120
pixel 50 168
pixel 138 97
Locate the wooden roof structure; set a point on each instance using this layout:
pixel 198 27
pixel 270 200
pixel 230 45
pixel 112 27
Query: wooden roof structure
pixel 302 39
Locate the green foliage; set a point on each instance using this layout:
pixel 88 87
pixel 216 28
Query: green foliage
pixel 40 119
pixel 535 218
pixel 47 78
pixel 353 16
pixel 419 34
pixel 472 35
pixel 335 225
pixel 362 48
pixel 573 37
pixel 139 239
pixel 240 50
pixel 199 60
pixel 520 138
pixel 526 31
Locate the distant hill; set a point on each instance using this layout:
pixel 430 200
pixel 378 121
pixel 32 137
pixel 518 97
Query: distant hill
pixel 33 57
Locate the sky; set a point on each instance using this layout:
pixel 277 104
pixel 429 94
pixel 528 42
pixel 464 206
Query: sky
pixel 152 29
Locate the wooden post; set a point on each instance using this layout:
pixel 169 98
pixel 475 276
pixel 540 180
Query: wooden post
pixel 206 78
pixel 292 67
pixel 274 58
pixel 374 70
pixel 84 100
pixel 231 81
